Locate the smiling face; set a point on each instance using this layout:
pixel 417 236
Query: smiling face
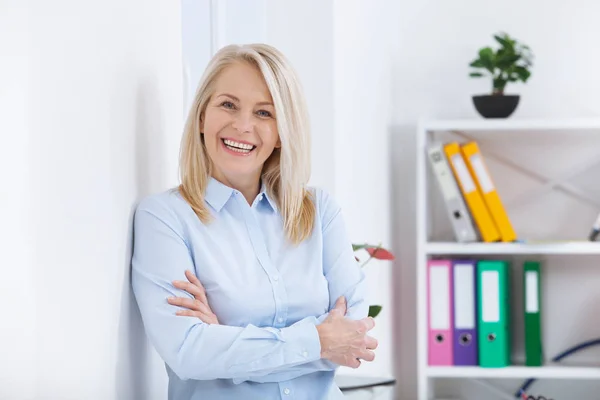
pixel 239 126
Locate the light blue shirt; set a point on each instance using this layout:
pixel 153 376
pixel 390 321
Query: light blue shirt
pixel 268 295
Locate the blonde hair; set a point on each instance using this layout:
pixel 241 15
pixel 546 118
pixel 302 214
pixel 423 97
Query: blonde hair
pixel 287 171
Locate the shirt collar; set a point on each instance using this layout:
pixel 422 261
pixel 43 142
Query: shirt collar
pixel 265 195
pixel 218 194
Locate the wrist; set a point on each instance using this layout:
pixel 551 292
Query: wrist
pixel 322 331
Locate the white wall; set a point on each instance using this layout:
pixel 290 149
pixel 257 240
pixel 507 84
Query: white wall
pixel 197 45
pixel 100 129
pixel 306 38
pixel 361 84
pixel 18 292
pixel 434 41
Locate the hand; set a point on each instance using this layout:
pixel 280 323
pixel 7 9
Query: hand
pixel 198 306
pixel 344 341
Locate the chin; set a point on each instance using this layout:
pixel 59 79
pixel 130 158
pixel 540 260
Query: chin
pixel 240 170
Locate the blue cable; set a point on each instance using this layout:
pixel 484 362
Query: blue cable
pixel 559 357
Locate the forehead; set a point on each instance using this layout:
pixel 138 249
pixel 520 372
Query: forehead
pixel 244 81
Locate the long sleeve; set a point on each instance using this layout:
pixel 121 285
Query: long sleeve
pixel 344 277
pixel 343 274
pixel 193 349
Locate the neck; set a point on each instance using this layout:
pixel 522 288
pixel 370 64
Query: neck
pixel 248 186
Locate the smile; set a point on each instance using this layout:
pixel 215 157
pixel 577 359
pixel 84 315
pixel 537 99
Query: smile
pixel 238 147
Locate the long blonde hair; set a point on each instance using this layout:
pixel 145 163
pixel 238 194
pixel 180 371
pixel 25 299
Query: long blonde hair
pixel 287 171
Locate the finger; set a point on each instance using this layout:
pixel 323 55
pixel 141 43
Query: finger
pixel 363 326
pixel 340 304
pixel 207 319
pixel 183 302
pixel 371 343
pixel 354 363
pixel 334 313
pixel 194 280
pixel 192 277
pixel 190 288
pixel 367 355
pixel 369 323
pixel 192 304
pixel 190 313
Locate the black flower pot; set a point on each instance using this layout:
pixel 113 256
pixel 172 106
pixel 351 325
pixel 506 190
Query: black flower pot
pixel 498 106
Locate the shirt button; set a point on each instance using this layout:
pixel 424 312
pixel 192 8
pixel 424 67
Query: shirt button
pixel 305 354
pixel 286 391
pixel 275 278
pixel 280 319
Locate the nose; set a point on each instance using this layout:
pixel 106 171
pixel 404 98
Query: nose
pixel 243 122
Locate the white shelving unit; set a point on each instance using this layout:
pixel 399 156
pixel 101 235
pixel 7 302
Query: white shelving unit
pixel 553 372
pixel 449 248
pixel 427 248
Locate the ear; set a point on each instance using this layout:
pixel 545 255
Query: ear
pixel 278 144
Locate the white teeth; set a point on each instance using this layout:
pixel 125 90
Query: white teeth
pixel 237 150
pixel 238 145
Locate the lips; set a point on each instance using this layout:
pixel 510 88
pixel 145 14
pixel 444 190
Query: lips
pixel 238 148
pixel 238 144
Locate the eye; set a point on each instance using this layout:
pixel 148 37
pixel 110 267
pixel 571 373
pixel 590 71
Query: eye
pixel 263 113
pixel 227 104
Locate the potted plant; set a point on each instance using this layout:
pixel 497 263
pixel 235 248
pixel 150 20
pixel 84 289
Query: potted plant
pixel 511 62
pixel 378 253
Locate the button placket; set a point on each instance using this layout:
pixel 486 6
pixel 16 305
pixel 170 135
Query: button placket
pixel 260 247
pixel 256 237
pixel 280 303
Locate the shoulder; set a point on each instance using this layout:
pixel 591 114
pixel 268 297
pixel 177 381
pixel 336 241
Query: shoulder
pixel 165 205
pixel 326 204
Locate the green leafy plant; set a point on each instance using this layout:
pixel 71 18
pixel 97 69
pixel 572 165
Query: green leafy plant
pixel 374 252
pixel 511 62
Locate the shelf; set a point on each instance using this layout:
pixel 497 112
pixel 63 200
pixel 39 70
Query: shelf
pixel 352 382
pixel 574 247
pixel 511 124
pixel 549 372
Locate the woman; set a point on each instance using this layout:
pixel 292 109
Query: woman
pixel 274 300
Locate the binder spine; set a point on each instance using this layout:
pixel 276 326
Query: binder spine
pixel 456 209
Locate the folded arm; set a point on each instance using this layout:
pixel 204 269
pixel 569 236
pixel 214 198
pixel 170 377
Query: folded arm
pixel 195 350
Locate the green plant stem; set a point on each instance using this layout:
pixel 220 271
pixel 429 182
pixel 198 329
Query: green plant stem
pixel 365 263
pixel 370 256
pixel 499 83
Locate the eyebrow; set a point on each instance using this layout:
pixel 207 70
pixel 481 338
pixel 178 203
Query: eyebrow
pixel 232 97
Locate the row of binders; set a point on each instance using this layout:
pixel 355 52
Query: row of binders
pixel 473 204
pixel 469 313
